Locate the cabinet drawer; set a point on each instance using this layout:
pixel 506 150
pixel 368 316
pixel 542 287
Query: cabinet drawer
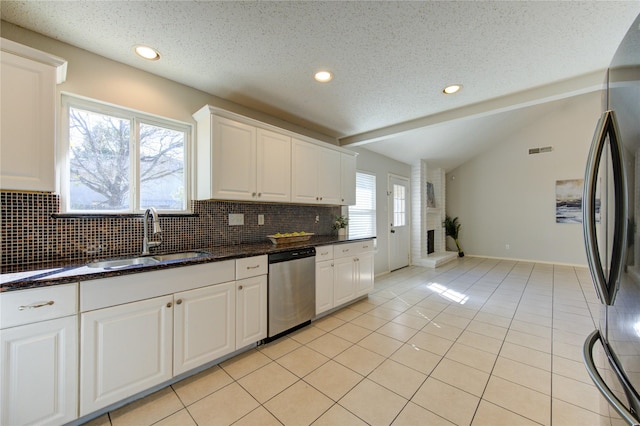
pixel 346 250
pixel 38 304
pixel 251 267
pixel 324 253
pixel 365 246
pixel 352 249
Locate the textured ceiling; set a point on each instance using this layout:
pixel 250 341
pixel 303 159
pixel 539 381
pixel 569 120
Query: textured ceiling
pixel 390 59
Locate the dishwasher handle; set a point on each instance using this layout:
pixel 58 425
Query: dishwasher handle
pixel 292 255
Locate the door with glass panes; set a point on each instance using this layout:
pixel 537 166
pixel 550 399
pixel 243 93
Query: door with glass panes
pixel 398 191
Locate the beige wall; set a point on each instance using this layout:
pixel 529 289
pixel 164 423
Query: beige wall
pixel 506 196
pixel 102 79
pixel 381 166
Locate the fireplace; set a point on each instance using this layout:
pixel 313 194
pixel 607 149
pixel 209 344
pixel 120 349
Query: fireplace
pixel 430 243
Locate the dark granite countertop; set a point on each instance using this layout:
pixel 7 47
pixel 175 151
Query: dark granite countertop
pixel 50 273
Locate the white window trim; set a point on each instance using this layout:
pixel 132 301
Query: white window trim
pixel 62 151
pixel 371 212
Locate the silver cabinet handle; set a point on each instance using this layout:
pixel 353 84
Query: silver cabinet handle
pixel 605 286
pixel 587 354
pixel 36 305
pixel 324 253
pixel 345 250
pixel 253 267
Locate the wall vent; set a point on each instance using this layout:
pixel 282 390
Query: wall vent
pixel 540 150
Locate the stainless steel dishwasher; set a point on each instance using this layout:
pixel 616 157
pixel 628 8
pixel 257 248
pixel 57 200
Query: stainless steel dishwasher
pixel 292 290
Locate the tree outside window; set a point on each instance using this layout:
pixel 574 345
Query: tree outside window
pixel 125 162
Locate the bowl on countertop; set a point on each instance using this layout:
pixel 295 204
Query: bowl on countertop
pixel 289 239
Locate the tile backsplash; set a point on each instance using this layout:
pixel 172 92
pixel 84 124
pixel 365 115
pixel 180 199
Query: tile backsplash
pixel 31 233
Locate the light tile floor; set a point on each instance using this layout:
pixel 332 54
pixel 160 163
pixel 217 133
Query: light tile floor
pixel 477 341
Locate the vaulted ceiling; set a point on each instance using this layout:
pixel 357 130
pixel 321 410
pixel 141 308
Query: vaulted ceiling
pixel 390 60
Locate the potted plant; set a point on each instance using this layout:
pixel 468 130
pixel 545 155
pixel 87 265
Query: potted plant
pixel 340 223
pixel 452 228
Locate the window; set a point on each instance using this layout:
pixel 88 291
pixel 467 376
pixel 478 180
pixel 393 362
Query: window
pixel 399 205
pixel 117 160
pixel 362 216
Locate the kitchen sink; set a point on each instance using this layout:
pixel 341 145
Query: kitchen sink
pixel 181 256
pixel 146 260
pixel 122 263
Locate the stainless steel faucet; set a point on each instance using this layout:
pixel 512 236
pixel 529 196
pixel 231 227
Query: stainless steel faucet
pixel 146 244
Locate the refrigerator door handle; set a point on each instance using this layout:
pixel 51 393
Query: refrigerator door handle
pixel 607 126
pixel 587 354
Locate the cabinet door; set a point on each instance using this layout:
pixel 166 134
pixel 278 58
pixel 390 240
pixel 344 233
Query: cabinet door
pixel 251 310
pixel 304 172
pixel 125 349
pixel 329 173
pixel 344 281
pixel 347 179
pixel 204 326
pixel 40 372
pixel 364 275
pixel 273 166
pixel 234 160
pixel 27 134
pixel 324 286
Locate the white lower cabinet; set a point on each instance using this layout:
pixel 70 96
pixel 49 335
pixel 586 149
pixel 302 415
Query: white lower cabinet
pixel 364 274
pixel 187 317
pixel 344 272
pixel 204 326
pixel 126 349
pixel 39 355
pixel 324 286
pixel 40 373
pixel 251 310
pixel 344 281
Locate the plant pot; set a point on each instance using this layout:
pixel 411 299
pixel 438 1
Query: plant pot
pixel 342 232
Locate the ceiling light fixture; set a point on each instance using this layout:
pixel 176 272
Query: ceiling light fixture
pixel 451 89
pixel 323 76
pixel 147 52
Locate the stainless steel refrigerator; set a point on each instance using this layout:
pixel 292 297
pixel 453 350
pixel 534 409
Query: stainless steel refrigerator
pixel 611 217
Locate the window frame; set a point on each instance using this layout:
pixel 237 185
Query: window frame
pixel 136 118
pixel 372 213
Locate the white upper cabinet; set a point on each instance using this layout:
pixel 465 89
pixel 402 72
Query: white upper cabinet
pixel 28 116
pixel 232 162
pixel 316 174
pixel 273 166
pixel 238 158
pixel 238 161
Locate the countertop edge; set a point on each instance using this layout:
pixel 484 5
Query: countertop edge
pixel 52 275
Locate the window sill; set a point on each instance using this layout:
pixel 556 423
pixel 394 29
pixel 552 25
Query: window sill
pixel 116 215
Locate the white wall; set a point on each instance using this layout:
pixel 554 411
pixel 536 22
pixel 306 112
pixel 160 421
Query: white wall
pixel 381 166
pixel 506 196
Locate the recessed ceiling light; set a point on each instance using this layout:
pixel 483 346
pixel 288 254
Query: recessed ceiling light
pixel 323 76
pixel 147 52
pixel 451 89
